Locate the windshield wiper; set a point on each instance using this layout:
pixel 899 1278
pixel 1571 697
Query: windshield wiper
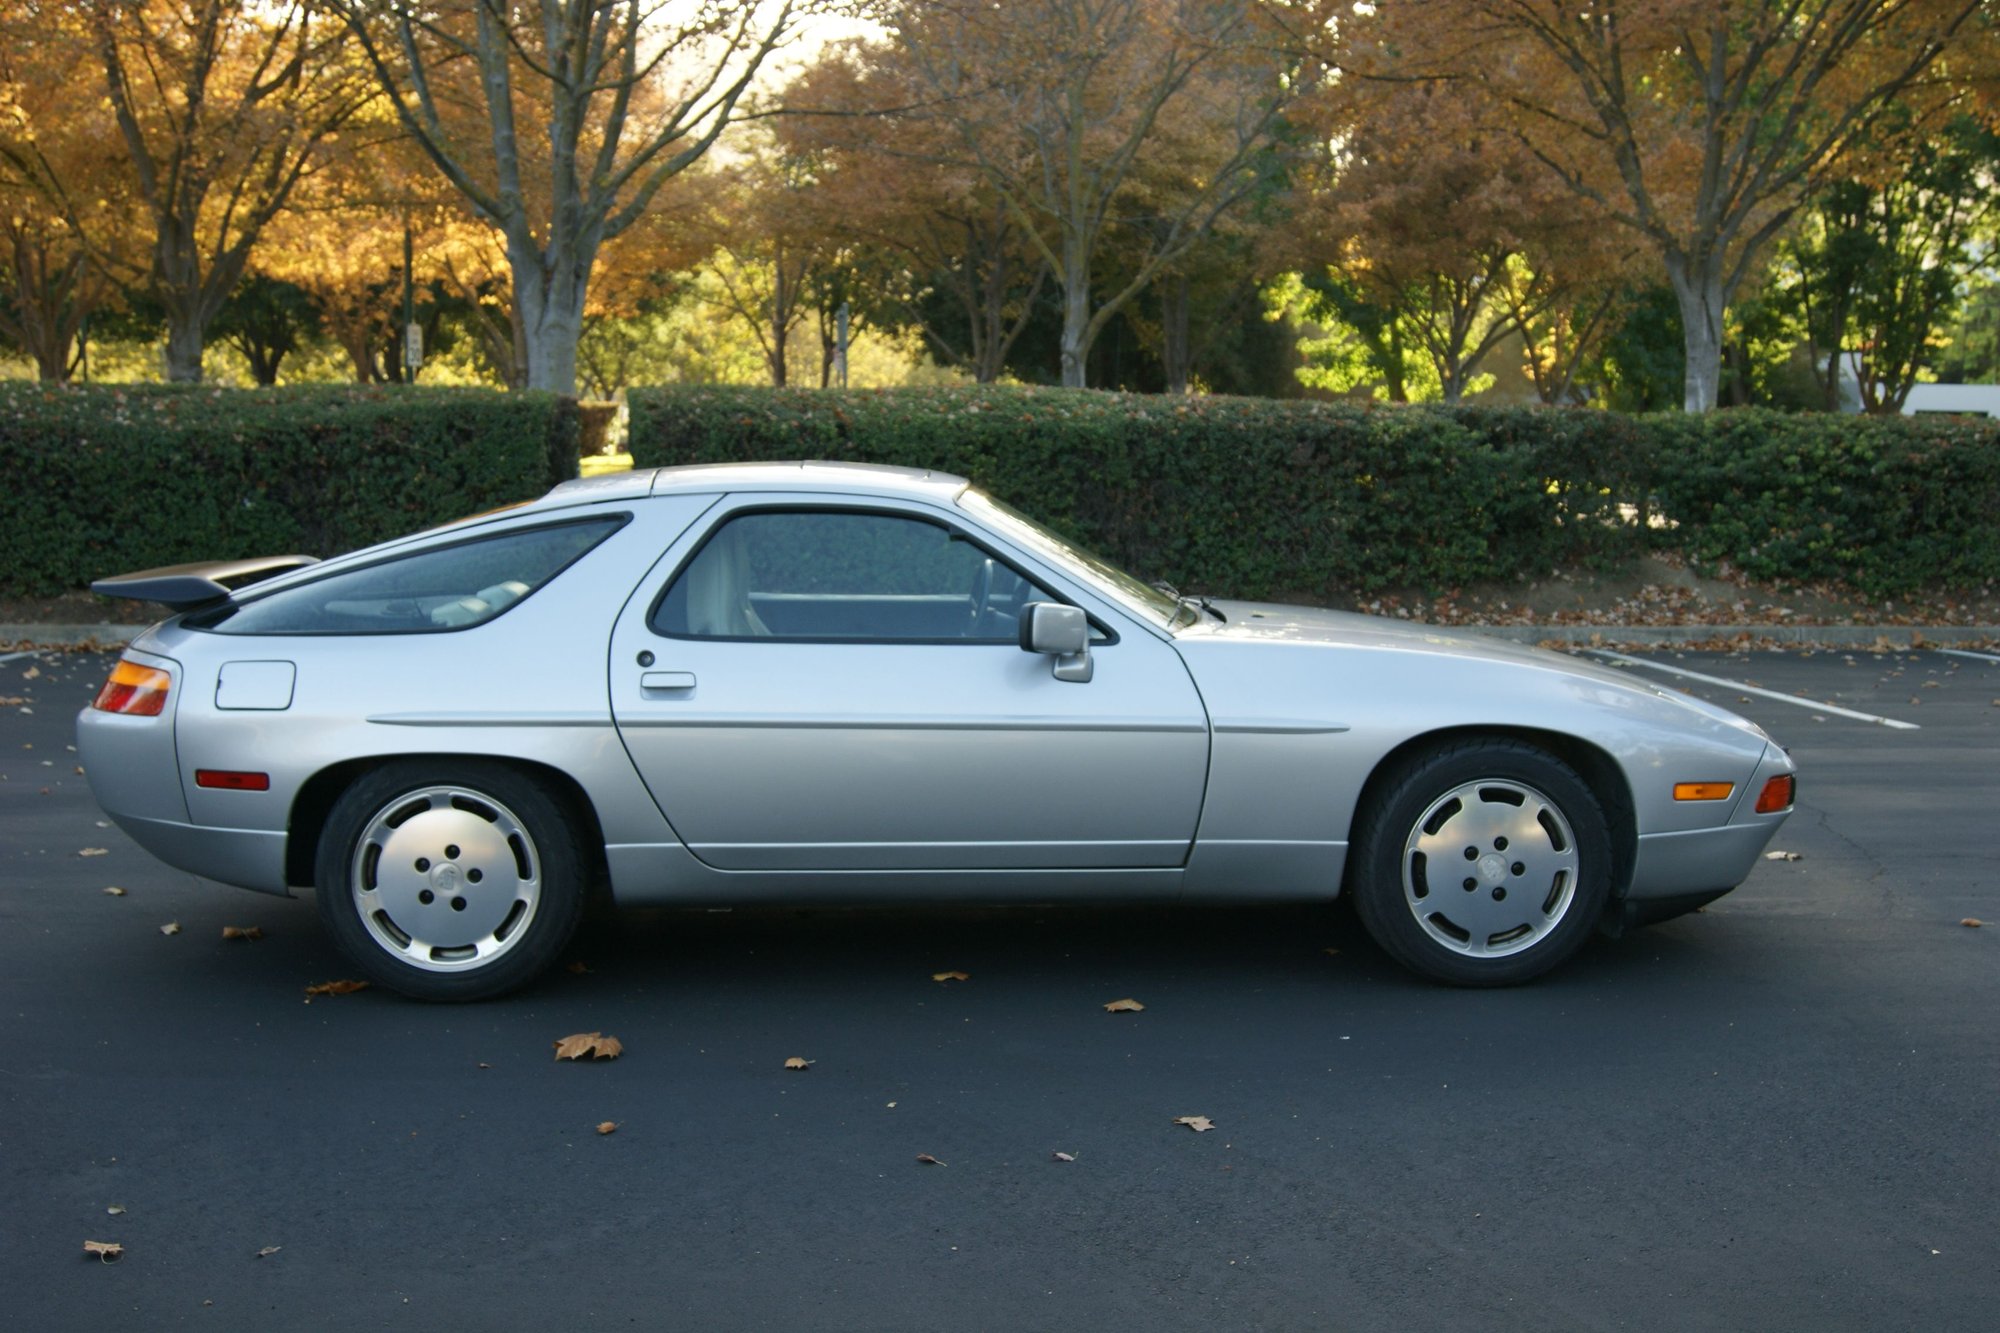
pixel 1193 605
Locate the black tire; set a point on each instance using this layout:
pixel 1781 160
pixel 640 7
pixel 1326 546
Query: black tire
pixel 1481 863
pixel 450 880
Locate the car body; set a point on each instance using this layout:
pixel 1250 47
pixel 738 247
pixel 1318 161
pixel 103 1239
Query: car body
pixel 845 683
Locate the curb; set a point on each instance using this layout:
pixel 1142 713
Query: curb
pixel 1748 636
pixel 1588 636
pixel 69 636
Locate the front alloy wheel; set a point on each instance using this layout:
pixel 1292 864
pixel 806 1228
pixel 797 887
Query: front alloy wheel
pixel 449 882
pixel 1483 863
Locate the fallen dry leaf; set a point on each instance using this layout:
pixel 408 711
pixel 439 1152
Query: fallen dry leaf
pixel 115 892
pixel 268 1251
pixel 336 988
pixel 93 851
pixel 1973 922
pixel 31 673
pixel 1781 856
pixel 607 1126
pixel 1200 1124
pixel 242 932
pixel 950 976
pixel 15 701
pixel 115 1209
pixel 171 928
pixel 797 1062
pixel 107 1251
pixel 593 1044
pixel 577 968
pixel 1064 1157
pixel 929 1160
pixel 1123 1007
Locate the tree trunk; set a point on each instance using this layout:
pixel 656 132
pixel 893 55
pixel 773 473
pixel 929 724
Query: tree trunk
pixel 1392 365
pixel 1076 312
pixel 549 289
pixel 184 344
pixel 989 315
pixel 263 362
pixel 1697 287
pixel 1451 380
pixel 552 348
pixel 1176 348
pixel 549 320
pixel 774 359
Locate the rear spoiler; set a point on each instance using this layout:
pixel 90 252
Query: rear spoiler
pixel 185 587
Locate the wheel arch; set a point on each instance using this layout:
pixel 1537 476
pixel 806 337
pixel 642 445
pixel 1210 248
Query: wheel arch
pixel 316 797
pixel 1597 768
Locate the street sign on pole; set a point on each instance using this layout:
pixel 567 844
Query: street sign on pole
pixel 413 347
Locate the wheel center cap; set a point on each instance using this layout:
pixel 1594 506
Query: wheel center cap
pixel 444 878
pixel 1492 867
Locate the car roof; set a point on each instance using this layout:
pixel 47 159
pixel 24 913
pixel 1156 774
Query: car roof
pixel 862 478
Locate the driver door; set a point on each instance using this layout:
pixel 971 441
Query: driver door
pixel 824 685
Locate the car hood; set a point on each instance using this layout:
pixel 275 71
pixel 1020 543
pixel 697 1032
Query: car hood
pixel 1307 627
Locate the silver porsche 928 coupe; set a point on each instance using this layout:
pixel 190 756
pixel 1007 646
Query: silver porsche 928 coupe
pixel 840 683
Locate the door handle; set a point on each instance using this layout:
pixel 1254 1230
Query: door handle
pixel 666 680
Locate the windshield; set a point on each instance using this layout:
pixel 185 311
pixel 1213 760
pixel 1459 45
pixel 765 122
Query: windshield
pixel 1135 593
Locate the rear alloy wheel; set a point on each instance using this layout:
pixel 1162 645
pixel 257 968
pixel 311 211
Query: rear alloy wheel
pixel 1482 864
pixel 449 881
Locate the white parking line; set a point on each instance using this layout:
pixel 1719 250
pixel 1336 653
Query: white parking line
pixel 1978 657
pixel 1813 704
pixel 11 656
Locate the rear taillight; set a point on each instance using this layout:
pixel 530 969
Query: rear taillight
pixel 134 690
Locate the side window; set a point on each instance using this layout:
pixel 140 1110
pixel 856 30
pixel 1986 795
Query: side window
pixel 844 574
pixel 444 588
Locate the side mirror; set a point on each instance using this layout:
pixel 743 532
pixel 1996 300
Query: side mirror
pixel 1061 631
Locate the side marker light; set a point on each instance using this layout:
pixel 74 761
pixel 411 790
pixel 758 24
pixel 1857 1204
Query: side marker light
pixel 1777 795
pixel 223 779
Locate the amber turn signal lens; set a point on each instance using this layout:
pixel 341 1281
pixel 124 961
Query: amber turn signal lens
pixel 136 691
pixel 1777 795
pixel 1703 791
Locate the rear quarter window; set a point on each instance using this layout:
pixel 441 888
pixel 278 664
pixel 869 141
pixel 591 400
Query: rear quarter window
pixel 427 592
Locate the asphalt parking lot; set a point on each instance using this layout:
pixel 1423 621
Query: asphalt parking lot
pixel 1778 1113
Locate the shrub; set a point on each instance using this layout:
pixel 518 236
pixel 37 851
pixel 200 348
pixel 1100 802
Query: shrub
pixel 1255 497
pixel 1888 505
pixel 1261 497
pixel 111 479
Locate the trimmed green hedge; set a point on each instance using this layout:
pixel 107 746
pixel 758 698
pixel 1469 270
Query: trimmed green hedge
pixel 1268 498
pixel 105 480
pixel 1250 497
pixel 1887 504
pixel 1256 497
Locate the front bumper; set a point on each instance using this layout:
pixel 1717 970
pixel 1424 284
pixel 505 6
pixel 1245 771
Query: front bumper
pixel 1711 861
